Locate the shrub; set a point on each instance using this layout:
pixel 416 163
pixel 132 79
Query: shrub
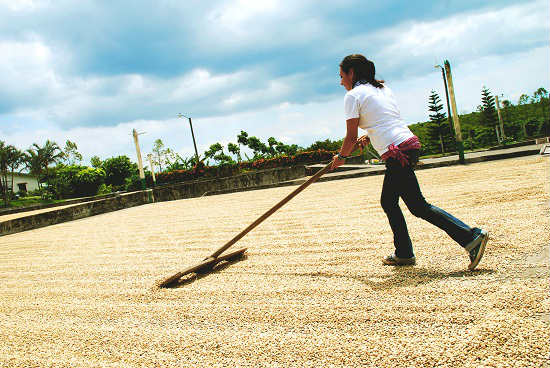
pixel 133 183
pixel 63 182
pixel 229 169
pixel 117 170
pixel 104 189
pixel 88 180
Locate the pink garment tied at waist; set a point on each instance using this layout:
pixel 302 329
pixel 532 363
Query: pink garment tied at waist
pixel 396 152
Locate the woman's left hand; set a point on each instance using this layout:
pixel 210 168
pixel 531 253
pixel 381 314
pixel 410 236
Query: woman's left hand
pixel 336 162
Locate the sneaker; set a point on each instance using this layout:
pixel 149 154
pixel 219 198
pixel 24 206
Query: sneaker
pixel 393 260
pixel 476 248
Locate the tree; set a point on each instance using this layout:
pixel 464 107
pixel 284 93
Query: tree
pixel 181 163
pixel 506 107
pixel 216 152
pixel 40 158
pixel 117 169
pixel 488 109
pixel 541 98
pixel 273 143
pixel 235 149
pixel 5 154
pixel 33 164
pixel 259 148
pixel 163 156
pixel 242 138
pixel 16 158
pixel 438 128
pixel 524 100
pixel 88 181
pixel 158 150
pixel 327 145
pixel 10 159
pixel 540 94
pixel 96 162
pixel 71 154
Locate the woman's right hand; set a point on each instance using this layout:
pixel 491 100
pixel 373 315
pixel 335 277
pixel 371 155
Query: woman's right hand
pixel 363 141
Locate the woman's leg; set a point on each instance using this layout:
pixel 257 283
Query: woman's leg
pixel 390 203
pixel 419 207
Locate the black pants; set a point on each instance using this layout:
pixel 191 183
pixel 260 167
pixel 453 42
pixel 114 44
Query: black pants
pixel 401 182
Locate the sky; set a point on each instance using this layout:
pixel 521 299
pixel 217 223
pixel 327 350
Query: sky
pixel 92 71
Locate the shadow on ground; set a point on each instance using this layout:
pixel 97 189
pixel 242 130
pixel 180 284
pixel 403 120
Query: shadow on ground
pixel 401 277
pixel 413 276
pixel 218 267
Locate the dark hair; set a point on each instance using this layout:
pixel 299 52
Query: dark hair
pixel 363 69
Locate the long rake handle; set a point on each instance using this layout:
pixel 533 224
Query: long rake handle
pixel 272 210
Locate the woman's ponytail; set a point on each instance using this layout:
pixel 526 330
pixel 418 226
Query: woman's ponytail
pixel 363 68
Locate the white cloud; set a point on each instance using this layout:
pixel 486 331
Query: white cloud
pixel 497 48
pixel 404 48
pixel 23 5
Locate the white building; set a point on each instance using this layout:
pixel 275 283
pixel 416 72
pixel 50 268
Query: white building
pixel 23 182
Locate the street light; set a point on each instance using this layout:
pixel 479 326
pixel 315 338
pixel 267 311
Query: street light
pixel 180 115
pixel 447 98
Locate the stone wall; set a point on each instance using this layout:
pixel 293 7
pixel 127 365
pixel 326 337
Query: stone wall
pixel 75 212
pixel 9 211
pixel 199 188
pixel 252 180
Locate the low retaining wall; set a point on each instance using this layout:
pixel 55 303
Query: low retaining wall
pixel 9 211
pixel 75 212
pixel 252 180
pixel 199 188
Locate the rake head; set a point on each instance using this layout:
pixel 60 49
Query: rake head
pixel 203 267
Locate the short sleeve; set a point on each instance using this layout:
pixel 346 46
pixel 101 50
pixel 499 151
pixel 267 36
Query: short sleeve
pixel 351 106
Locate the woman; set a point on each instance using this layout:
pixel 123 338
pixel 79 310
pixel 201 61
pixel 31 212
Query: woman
pixel 370 105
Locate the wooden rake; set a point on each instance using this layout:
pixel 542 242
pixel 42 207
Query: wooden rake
pixel 208 263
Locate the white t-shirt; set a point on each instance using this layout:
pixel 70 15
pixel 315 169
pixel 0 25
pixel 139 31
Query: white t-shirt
pixel 378 114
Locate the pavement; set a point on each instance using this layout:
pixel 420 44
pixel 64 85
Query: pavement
pixel 311 291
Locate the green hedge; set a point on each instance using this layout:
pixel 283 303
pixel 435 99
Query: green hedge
pixel 204 172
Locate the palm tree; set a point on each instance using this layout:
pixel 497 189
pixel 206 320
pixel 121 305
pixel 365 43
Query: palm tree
pixel 8 155
pixel 33 164
pixel 39 158
pixel 16 159
pixel 3 168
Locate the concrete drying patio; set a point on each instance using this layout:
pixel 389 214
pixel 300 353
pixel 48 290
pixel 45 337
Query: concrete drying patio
pixel 312 292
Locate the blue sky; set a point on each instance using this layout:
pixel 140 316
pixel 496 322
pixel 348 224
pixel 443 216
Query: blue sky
pixel 91 71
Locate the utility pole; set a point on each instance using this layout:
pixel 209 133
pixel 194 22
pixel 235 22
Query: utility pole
pixel 140 163
pixel 150 157
pixel 459 143
pixel 192 135
pixel 447 97
pixel 502 136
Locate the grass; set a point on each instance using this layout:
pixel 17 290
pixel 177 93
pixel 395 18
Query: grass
pixel 31 201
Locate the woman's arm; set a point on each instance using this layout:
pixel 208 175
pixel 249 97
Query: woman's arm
pixel 349 142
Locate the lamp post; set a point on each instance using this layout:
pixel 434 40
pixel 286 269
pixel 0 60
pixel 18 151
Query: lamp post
pixel 459 144
pixel 192 135
pixel 502 136
pixel 447 98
